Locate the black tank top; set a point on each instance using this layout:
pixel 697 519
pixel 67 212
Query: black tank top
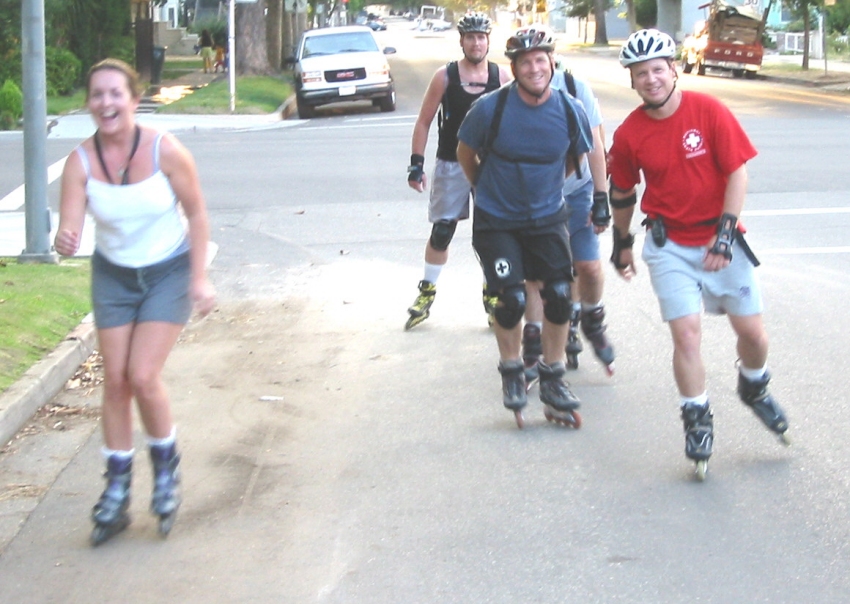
pixel 456 102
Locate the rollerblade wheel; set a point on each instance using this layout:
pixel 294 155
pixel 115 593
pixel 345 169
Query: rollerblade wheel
pixel 572 360
pixel 785 439
pixel 565 418
pixel 165 524
pixel 104 532
pixel 609 369
pixel 414 320
pixel 520 420
pixel 701 469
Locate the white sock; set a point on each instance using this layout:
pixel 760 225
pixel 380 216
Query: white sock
pixel 432 272
pixel 107 453
pixel 701 400
pixel 751 375
pixel 163 442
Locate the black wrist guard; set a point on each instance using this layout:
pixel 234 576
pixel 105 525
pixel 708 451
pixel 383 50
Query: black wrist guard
pixel 416 168
pixel 620 244
pixel 600 213
pixel 725 236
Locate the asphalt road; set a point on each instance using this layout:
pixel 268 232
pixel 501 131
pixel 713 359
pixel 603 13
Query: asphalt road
pixel 387 470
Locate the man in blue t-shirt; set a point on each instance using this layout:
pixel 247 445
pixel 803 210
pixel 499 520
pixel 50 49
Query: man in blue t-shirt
pixel 516 146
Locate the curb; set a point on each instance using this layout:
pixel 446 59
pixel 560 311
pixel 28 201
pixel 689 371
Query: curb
pixel 44 380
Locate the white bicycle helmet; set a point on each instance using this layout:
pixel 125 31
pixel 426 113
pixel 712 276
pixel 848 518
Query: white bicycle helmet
pixel 647 44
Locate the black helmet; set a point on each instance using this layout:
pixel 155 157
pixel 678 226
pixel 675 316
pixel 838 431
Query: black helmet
pixel 529 38
pixel 472 23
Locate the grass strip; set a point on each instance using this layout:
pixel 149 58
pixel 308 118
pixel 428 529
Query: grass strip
pixel 39 305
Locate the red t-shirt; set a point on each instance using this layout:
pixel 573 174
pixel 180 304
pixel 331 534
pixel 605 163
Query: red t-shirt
pixel 686 160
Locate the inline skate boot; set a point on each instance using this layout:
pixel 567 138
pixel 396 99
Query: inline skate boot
pixel 166 478
pixel 755 395
pixel 514 395
pixel 698 421
pixel 574 345
pixel 420 309
pixel 109 514
pixel 532 350
pixel 593 326
pixel 560 403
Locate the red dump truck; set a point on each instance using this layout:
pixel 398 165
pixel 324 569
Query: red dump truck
pixel 729 39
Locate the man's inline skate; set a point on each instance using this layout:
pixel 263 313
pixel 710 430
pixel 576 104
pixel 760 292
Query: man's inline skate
pixel 514 394
pixel 166 478
pixel 532 350
pixel 755 395
pixel 593 326
pixel 574 345
pixel 560 403
pixel 698 421
pixel 109 514
pixel 420 309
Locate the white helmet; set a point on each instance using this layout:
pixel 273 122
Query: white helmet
pixel 647 44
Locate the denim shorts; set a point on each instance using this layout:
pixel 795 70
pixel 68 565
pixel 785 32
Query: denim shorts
pixel 683 287
pixel 122 295
pixel 584 242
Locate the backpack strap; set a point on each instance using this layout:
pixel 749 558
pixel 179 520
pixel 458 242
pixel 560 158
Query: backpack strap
pixel 495 123
pixel 572 124
pixel 453 77
pixel 493 81
pixel 570 79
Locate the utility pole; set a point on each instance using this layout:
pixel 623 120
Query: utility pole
pixel 36 212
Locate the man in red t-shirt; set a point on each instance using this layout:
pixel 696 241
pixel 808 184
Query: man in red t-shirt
pixel 692 153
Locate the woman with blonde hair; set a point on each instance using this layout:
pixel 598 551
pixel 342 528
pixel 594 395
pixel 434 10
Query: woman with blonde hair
pixel 148 271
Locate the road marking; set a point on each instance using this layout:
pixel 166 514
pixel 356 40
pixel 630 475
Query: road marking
pixel 17 198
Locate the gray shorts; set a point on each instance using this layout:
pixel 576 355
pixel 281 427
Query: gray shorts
pixel 683 287
pixel 122 295
pixel 450 192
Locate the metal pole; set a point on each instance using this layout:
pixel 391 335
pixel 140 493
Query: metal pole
pixel 36 212
pixel 231 58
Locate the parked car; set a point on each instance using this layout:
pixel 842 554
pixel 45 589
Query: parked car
pixel 377 24
pixel 337 64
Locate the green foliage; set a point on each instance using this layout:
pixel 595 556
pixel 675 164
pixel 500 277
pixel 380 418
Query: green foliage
pixel 63 71
pixel 646 13
pixel 216 27
pixel 11 99
pixel 10 66
pixel 838 16
pixel 7 121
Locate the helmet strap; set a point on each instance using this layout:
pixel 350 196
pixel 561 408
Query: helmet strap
pixel 652 106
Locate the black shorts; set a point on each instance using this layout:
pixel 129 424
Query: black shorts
pixel 534 253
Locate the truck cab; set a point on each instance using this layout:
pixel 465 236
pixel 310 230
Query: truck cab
pixel 729 39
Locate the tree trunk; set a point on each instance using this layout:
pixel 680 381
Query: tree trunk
pixel 601 36
pixel 275 33
pixel 806 26
pixel 252 57
pixel 631 15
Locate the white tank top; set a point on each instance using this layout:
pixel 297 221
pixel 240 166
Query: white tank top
pixel 138 224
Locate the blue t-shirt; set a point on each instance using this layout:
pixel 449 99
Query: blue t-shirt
pixel 523 175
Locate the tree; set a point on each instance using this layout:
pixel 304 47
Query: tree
pixel 252 57
pixel 802 10
pixel 600 7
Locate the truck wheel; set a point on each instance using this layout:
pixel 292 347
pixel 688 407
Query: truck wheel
pixel 737 73
pixel 701 68
pixel 687 67
pixel 387 103
pixel 305 111
pixel 750 75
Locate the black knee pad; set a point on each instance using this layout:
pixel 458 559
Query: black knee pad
pixel 557 305
pixel 511 307
pixel 442 233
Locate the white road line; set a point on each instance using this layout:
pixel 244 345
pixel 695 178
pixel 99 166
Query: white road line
pixel 16 199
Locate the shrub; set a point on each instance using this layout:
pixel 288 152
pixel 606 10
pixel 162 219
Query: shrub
pixel 63 71
pixel 11 100
pixel 7 122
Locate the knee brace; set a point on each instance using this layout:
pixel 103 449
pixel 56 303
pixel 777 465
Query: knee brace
pixel 442 233
pixel 511 306
pixel 557 302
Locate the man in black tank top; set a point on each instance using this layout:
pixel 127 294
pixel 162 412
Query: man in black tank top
pixel 453 89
